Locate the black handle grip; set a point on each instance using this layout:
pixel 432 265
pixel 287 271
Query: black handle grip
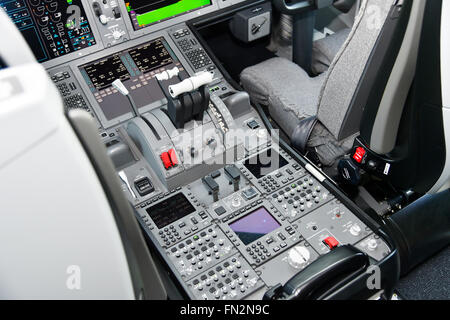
pixel 329 271
pixel 293 8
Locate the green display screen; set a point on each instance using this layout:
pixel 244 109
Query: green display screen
pixel 144 14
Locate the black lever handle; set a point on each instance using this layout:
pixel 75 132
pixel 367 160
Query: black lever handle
pixel 344 5
pixel 338 266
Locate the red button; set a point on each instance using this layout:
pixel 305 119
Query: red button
pixel 331 242
pixel 359 154
pixel 173 157
pixel 166 160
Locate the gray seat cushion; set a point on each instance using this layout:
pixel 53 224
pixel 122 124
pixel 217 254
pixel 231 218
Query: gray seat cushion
pixel 285 88
pixel 324 50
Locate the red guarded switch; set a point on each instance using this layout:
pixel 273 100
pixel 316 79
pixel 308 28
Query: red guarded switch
pixel 331 242
pixel 359 154
pixel 173 157
pixel 165 158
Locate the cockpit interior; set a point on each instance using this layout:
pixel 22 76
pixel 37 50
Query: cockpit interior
pixel 225 149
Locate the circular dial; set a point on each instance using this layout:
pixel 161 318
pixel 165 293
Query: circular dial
pixel 298 257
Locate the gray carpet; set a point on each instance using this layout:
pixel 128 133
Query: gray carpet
pixel 429 281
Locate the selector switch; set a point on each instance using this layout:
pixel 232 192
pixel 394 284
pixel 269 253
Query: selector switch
pixel 355 230
pixel 372 245
pixel 298 257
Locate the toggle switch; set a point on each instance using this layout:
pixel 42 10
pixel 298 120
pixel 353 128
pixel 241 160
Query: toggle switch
pixel 165 158
pixel 173 157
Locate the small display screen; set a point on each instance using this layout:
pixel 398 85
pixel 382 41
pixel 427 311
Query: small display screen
pixel 144 13
pixel 136 68
pixel 170 210
pixel 265 163
pixel 151 56
pixel 102 73
pixel 254 225
pixel 52 28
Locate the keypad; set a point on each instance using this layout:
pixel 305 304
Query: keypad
pixel 200 251
pixel 185 44
pixel 231 280
pixel 259 252
pixel 76 101
pixel 299 198
pixel 198 58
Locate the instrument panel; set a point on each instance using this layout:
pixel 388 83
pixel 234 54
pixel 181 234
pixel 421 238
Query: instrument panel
pixel 146 13
pixel 136 68
pixel 230 211
pixel 52 28
pixel 250 240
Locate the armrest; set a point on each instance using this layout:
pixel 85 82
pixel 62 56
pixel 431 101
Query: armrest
pixel 302 132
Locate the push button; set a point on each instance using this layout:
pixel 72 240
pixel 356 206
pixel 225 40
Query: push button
pixel 359 154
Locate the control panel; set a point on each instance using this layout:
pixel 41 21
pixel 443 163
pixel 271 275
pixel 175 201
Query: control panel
pixel 191 49
pixel 72 95
pixel 53 28
pixel 249 237
pixel 230 211
pixel 109 21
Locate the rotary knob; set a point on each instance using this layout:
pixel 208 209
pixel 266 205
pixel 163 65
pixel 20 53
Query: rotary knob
pixel 117 34
pixel 262 133
pixel 372 245
pixel 211 142
pixel 103 19
pixel 236 202
pixel 298 257
pixel 355 230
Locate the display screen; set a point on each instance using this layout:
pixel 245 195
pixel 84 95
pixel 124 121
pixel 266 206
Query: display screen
pixel 103 72
pixel 170 210
pixel 265 163
pixel 52 28
pixel 136 68
pixel 151 56
pixel 254 225
pixel 147 12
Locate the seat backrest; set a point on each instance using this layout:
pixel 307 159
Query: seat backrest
pixel 363 65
